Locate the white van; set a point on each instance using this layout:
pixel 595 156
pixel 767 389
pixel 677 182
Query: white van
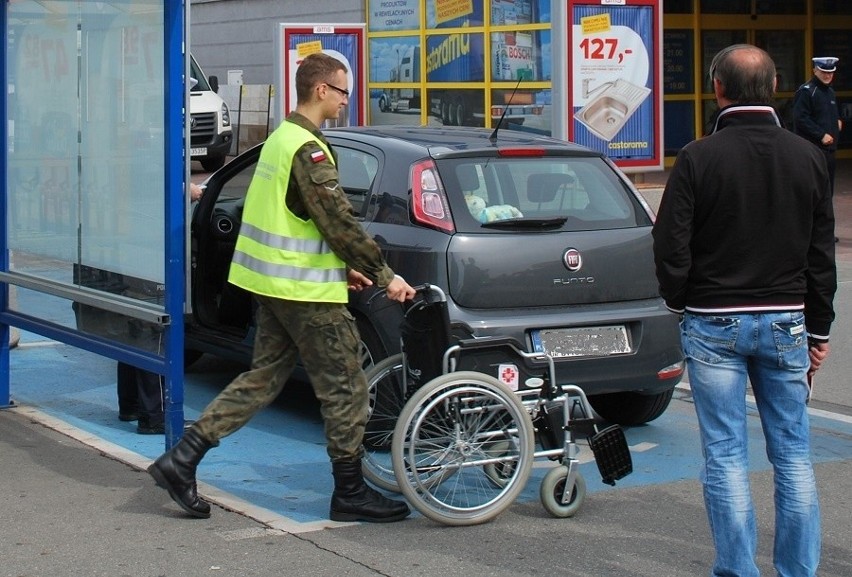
pixel 210 120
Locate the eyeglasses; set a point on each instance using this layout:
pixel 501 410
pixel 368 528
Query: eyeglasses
pixel 715 63
pixel 341 91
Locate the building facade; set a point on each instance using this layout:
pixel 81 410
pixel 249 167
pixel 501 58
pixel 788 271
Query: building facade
pixel 496 46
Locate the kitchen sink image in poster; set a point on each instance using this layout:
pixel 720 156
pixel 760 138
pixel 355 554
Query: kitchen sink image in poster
pixel 606 112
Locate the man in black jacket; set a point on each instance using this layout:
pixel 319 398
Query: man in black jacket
pixel 744 250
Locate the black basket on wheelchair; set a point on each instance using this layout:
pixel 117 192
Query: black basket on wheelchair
pixel 425 337
pixel 611 454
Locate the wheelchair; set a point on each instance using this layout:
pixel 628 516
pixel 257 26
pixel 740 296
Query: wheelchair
pixel 458 442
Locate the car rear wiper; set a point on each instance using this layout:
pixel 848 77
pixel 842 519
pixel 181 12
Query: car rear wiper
pixel 552 222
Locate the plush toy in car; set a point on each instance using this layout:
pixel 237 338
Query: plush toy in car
pixel 482 213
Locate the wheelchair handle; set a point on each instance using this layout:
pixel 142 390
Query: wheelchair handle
pixel 424 290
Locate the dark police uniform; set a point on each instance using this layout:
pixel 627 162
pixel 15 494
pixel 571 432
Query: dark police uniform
pixel 816 114
pixel 140 392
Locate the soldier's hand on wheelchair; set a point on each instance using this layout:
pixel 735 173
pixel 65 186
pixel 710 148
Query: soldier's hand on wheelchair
pixel 399 290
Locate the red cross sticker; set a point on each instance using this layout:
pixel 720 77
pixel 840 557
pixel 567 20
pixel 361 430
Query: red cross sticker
pixel 509 376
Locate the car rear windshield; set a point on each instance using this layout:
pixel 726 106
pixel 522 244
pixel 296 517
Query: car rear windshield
pixel 551 192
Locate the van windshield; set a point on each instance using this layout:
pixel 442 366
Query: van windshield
pixel 195 73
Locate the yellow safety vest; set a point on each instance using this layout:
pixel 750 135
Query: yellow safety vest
pixel 277 253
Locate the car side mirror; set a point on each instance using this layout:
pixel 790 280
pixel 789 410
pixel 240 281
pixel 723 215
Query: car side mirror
pixel 214 83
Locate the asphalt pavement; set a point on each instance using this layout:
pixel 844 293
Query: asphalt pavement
pixel 76 499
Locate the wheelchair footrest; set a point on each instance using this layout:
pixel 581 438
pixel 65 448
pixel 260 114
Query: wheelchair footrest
pixel 582 426
pixel 611 454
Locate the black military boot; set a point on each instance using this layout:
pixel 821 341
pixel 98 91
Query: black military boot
pixel 354 500
pixel 174 471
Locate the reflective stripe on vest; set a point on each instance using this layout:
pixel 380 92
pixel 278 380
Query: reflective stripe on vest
pixel 278 254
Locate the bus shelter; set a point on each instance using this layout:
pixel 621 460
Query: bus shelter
pixel 92 193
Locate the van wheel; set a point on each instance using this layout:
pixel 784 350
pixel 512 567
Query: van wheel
pixel 630 408
pixel 213 163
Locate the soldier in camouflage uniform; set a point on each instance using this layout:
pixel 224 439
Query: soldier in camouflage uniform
pixel 300 248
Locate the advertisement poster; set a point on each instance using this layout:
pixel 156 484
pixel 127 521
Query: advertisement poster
pixel 613 69
pixel 453 13
pixel 344 42
pixel 387 15
pixel 455 58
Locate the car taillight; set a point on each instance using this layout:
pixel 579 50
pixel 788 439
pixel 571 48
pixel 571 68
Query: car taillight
pixel 528 151
pixel 429 201
pixel 671 371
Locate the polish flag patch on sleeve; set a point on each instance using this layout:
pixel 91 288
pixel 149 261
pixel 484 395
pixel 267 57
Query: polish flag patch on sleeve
pixel 317 156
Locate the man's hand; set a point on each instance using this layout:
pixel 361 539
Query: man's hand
pixel 399 290
pixel 356 280
pixel 817 353
pixel 195 192
pixel 827 139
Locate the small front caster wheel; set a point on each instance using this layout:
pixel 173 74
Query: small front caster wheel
pixel 552 489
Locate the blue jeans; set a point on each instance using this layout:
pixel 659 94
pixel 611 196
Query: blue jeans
pixel 770 350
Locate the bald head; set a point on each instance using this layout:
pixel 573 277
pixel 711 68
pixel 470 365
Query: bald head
pixel 746 74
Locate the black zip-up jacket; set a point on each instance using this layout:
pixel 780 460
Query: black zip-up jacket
pixel 746 223
pixel 815 113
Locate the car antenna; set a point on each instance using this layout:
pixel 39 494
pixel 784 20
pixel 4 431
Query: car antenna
pixel 493 137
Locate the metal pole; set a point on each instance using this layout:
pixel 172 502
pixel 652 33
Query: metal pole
pixel 176 19
pixel 5 333
pixel 14 333
pixel 268 105
pixel 239 118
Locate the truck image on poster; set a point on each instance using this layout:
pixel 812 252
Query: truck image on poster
pixel 459 58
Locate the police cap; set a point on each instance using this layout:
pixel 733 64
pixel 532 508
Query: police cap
pixel 826 63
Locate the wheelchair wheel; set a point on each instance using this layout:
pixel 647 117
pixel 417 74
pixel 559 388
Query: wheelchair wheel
pixel 448 438
pixel 553 489
pixel 386 399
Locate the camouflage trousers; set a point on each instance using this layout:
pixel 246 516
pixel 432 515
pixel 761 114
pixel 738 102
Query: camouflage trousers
pixel 325 337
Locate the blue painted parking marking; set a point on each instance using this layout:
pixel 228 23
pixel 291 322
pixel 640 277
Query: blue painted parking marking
pixel 276 468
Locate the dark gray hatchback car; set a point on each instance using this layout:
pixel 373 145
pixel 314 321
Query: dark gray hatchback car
pixel 529 236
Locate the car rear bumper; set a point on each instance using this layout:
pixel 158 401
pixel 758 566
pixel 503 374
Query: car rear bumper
pixel 653 333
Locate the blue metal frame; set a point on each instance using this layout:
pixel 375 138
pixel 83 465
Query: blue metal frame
pixel 171 366
pixel 175 213
pixel 5 397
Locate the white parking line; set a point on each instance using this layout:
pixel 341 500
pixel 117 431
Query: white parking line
pixel 839 417
pixel 36 344
pixel 586 456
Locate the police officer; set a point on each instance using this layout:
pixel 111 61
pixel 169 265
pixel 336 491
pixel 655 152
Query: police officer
pixel 815 112
pixel 299 249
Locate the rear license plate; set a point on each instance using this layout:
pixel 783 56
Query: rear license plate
pixel 198 152
pixel 582 342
